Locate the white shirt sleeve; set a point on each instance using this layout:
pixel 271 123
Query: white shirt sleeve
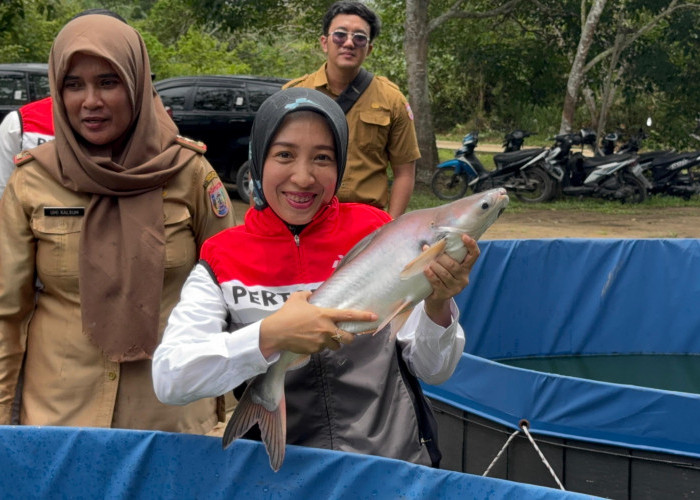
pixel 10 145
pixel 198 357
pixel 431 351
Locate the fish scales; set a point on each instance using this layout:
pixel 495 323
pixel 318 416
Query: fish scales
pixel 369 281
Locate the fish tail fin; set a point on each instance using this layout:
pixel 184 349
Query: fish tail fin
pixel 273 430
pixel 272 424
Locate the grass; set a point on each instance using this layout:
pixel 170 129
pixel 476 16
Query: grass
pixel 423 197
pixel 485 158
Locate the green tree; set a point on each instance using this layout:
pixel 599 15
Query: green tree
pixel 482 64
pixel 31 27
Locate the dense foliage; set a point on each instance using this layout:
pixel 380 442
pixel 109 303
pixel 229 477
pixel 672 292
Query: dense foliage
pixel 491 74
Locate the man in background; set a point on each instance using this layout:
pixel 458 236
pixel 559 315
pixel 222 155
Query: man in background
pixel 382 133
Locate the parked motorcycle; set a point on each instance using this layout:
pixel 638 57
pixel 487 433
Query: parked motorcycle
pixel 673 174
pixel 514 140
pixel 668 172
pixel 615 177
pixel 521 172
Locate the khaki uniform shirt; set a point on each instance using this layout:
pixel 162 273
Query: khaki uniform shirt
pixel 67 380
pixel 381 132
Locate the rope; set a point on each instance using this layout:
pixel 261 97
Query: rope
pixel 524 425
pixel 570 446
pixel 493 462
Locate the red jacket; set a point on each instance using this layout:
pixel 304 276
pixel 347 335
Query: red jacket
pixel 36 120
pixel 264 252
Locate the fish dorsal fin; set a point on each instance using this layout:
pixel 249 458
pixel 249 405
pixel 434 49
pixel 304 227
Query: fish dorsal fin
pixel 358 248
pixel 417 265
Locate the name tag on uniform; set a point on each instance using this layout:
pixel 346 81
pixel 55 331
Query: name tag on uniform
pixel 64 211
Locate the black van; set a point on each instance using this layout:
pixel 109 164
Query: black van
pixel 219 111
pixel 21 83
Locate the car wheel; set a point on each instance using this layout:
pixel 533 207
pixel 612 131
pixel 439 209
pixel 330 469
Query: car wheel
pixel 243 181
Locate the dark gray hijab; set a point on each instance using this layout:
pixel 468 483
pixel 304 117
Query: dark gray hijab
pixel 270 116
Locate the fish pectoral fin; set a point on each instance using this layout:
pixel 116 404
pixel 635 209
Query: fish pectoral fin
pixel 417 265
pixel 272 424
pixel 404 306
pixel 398 322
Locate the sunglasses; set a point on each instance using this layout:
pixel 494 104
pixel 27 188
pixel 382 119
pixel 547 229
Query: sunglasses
pixel 339 37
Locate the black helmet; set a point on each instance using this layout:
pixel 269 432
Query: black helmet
pixel 271 114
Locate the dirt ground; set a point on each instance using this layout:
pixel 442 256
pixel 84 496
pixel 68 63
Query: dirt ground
pixel 675 222
pixel 543 222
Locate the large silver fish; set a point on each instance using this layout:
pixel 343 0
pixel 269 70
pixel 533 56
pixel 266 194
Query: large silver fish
pixel 383 273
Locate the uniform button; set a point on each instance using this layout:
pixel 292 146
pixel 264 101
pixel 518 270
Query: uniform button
pixel 112 376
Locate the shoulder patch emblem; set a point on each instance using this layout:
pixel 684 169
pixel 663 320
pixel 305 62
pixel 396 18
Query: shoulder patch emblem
pixel 410 111
pixel 218 198
pixel 197 146
pixel 22 158
pixel 210 177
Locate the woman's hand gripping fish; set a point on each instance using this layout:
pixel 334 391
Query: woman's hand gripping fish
pixel 383 273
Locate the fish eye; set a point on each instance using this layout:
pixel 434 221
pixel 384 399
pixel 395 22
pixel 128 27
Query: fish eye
pixel 485 205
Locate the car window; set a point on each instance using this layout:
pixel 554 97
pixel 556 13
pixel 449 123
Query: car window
pixel 39 85
pixel 175 97
pixel 219 99
pixel 13 91
pixel 258 93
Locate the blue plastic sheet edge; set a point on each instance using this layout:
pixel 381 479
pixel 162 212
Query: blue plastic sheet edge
pixel 64 462
pixel 572 408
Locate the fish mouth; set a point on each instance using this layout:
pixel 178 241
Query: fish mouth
pixel 503 200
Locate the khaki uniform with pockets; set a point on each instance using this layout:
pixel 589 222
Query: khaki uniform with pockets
pixel 381 133
pixel 68 381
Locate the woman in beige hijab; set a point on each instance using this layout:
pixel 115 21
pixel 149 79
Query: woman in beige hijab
pixel 99 230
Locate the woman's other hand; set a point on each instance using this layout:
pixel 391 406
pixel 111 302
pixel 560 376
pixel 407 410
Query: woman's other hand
pixel 448 277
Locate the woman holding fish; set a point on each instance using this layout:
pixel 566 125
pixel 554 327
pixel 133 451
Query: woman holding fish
pixel 247 309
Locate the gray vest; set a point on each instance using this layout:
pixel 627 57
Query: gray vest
pixel 355 400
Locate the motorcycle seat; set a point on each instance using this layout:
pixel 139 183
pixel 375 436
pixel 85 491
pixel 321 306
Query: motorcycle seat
pixel 603 160
pixel 669 158
pixel 515 156
pixel 655 156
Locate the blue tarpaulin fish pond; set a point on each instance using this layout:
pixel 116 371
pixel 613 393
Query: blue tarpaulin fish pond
pixel 579 298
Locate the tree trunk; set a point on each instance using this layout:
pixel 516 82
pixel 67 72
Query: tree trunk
pixel 589 98
pixel 610 87
pixel 577 67
pixel 416 52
